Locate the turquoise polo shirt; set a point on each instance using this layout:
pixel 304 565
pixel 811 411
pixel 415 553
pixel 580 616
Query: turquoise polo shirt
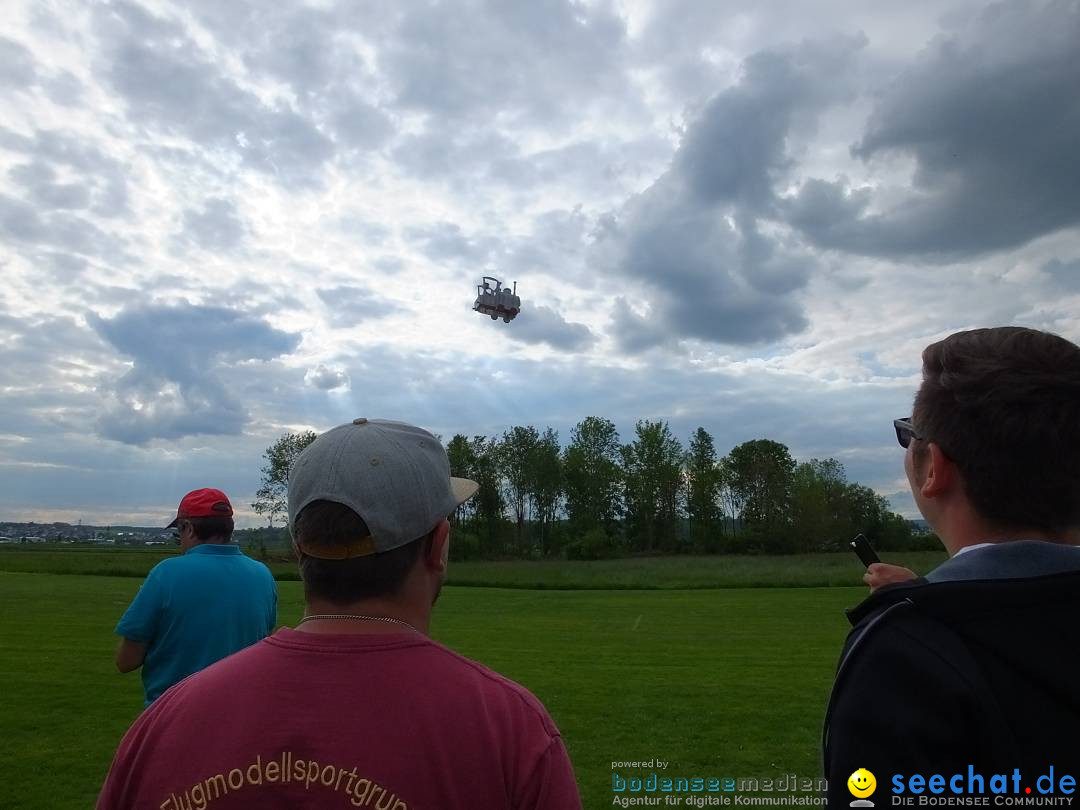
pixel 196 609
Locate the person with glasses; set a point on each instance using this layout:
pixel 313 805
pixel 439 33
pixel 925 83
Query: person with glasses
pixel 197 608
pixel 971 669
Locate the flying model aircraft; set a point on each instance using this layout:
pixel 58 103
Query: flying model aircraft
pixel 493 299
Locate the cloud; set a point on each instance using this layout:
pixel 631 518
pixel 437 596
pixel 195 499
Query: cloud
pixel 43 191
pixel 990 114
pixel 65 232
pixel 446 241
pixel 351 305
pixel 436 152
pixel 471 59
pixel 327 379
pixel 556 244
pixel 735 151
pixel 17 67
pixel 358 123
pixel 541 324
pixel 182 356
pixel 696 243
pixel 95 181
pixel 1065 275
pixel 170 83
pixel 217 227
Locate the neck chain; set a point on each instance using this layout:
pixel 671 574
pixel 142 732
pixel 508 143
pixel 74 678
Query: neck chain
pixel 356 617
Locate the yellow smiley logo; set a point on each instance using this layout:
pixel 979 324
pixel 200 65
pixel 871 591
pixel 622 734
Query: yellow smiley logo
pixel 861 783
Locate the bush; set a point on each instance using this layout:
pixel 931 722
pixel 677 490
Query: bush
pixel 595 544
pixel 464 545
pixel 925 542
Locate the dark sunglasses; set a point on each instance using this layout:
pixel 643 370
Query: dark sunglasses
pixel 904 431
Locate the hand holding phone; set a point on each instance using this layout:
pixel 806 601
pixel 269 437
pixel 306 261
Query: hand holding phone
pixel 861 546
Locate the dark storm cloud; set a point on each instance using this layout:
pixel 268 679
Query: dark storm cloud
pixel 693 240
pixel 735 150
pixel 169 83
pixel 350 306
pixel 991 117
pixel 541 324
pixel 216 227
pixel 179 383
pixel 696 241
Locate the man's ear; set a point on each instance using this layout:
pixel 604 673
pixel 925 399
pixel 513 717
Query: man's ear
pixel 941 472
pixel 439 553
pixel 298 552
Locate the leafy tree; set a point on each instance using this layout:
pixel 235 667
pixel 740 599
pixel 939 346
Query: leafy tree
pixel 703 482
pixel 547 485
pixel 488 500
pixel 592 475
pixel 762 476
pixel 271 498
pixel 869 513
pixel 517 458
pixel 730 500
pixel 896 532
pixel 462 459
pixel 819 505
pixel 652 473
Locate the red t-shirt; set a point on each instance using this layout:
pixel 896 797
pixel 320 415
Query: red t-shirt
pixel 391 722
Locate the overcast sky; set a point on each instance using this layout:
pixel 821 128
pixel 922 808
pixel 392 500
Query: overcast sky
pixel 220 221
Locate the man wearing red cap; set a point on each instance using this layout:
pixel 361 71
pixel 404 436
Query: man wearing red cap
pixel 200 607
pixel 357 706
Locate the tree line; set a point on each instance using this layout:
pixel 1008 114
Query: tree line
pixel 599 497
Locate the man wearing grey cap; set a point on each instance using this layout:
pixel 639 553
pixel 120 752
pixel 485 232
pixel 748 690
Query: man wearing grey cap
pixel 356 706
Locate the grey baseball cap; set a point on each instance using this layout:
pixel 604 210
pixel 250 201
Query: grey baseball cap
pixel 395 476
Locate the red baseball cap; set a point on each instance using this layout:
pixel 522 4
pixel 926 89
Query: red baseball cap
pixel 202 503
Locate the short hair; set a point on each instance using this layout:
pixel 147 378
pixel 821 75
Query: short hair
pixel 1004 405
pixel 342 582
pixel 207 528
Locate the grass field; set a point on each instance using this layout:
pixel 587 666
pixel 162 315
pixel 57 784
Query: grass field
pixel 649 573
pixel 726 682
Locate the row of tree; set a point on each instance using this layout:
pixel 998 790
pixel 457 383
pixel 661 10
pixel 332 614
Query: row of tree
pixel 598 497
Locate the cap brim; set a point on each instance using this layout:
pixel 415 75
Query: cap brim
pixel 174 522
pixel 463 489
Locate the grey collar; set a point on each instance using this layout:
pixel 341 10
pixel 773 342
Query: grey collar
pixel 1009 560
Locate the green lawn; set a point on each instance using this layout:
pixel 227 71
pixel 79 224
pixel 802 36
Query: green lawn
pixel 724 683
pixel 681 572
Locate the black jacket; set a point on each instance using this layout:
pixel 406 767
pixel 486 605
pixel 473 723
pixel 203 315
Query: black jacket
pixel 976 665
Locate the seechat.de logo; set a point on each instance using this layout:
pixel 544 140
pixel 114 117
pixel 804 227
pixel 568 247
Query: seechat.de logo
pixel 862 785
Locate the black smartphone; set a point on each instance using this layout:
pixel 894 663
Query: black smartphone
pixel 861 546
